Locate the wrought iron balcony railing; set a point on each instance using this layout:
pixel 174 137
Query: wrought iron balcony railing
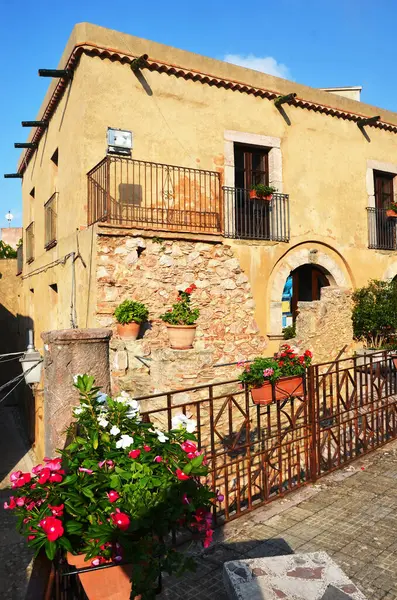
pixel 125 192
pixel 381 230
pixel 256 219
pixel 136 193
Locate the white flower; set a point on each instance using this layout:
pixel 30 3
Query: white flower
pixel 78 410
pixel 103 422
pixel 133 409
pixel 125 441
pixel 101 397
pixel 161 436
pixel 75 377
pixel 124 398
pixel 181 421
pixel 115 430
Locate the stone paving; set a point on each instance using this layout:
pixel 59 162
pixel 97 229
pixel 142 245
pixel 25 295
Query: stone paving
pixel 351 515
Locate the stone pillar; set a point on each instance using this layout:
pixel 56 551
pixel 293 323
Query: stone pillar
pixel 70 352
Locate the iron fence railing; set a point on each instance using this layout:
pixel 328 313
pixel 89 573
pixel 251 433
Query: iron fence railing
pixel 29 243
pixel 136 193
pixel 381 229
pixel 345 409
pixel 19 259
pixel 255 219
pixel 50 221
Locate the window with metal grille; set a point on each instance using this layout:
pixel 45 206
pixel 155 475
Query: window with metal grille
pixel 19 259
pixel 50 218
pixel 30 243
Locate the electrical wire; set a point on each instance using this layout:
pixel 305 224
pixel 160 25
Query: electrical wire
pixel 12 389
pixel 12 354
pixel 21 375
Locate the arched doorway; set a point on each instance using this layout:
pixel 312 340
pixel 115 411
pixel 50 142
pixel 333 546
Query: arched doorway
pixel 313 268
pixel 304 284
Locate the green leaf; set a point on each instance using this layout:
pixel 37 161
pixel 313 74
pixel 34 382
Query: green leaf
pixel 187 468
pixel 50 549
pixel 197 460
pixel 114 481
pixel 65 543
pixel 73 527
pixel 87 492
pixel 94 438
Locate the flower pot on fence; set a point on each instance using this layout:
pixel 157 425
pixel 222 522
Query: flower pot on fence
pixel 130 331
pixel 181 336
pixel 284 388
pixel 103 584
pixel 392 214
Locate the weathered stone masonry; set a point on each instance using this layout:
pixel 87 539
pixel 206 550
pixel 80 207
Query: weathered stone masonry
pixel 152 270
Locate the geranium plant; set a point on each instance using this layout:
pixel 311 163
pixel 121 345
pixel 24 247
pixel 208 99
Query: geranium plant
pixel 285 363
pixel 117 490
pixel 181 312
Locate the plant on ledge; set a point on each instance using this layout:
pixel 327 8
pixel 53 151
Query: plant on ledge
pixel 392 210
pixel 283 373
pixel 262 191
pixel 116 492
pixel 181 320
pixel 129 315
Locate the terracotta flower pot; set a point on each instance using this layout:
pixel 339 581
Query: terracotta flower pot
pixel 253 194
pixel 391 213
pixel 181 336
pixel 268 197
pixel 130 331
pixel 104 584
pixel 284 388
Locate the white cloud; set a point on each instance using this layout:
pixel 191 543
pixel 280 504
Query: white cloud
pixel 266 64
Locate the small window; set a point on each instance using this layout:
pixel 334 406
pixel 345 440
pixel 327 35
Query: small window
pixel 54 157
pixel 50 222
pixel 32 193
pixel 30 243
pixel 54 287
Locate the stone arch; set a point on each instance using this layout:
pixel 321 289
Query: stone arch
pixel 321 256
pixel 391 272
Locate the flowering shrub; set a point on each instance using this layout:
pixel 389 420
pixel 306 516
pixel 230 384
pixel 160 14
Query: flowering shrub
pixel 284 364
pixel 181 312
pixel 117 490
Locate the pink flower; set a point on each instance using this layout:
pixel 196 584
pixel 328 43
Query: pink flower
pixel 11 505
pixel 99 560
pixel 84 470
pixel 158 459
pixel 30 506
pixel 113 495
pixel 185 499
pixel 181 475
pixel 37 469
pixel 268 372
pixel 108 463
pixel 21 501
pixel 54 464
pixel 121 520
pixel 134 453
pixel 19 479
pixel 31 537
pixel 33 486
pixel 188 447
pixel 241 364
pixel 57 511
pixel 146 448
pixel 52 527
pixel 208 537
pixel 56 477
pixel 219 497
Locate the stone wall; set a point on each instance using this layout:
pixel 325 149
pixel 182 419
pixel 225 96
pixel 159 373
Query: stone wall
pixel 151 271
pixel 325 326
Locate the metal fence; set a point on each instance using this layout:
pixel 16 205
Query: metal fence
pixel 256 219
pixel 50 221
pixel 137 193
pixel 256 454
pixel 381 229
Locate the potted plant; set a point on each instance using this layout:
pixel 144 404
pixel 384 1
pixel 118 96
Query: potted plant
pixel 391 212
pixel 262 192
pixel 280 376
pixel 129 315
pixel 181 321
pixel 114 494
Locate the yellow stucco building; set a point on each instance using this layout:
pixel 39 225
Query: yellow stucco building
pixel 100 227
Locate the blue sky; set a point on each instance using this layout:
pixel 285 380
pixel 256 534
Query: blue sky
pixel 322 44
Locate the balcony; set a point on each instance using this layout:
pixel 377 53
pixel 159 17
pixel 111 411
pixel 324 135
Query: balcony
pixel 135 193
pixel 258 219
pixel 125 192
pixel 50 222
pixel 381 230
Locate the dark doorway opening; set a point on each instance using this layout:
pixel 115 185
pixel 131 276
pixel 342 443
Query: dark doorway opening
pixel 307 282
